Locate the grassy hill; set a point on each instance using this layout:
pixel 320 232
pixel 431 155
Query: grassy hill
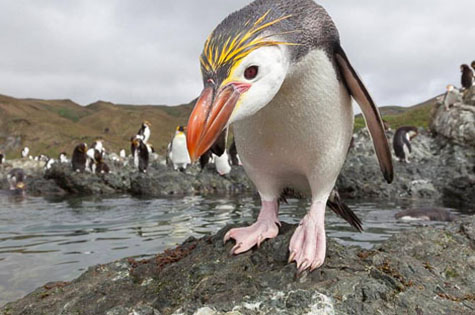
pixel 52 126
pixel 397 116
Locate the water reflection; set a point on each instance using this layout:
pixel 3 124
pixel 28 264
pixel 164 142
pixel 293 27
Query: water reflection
pixel 56 240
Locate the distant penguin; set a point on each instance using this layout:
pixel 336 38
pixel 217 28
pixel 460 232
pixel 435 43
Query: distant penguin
pixel 98 145
pixel 101 166
pixel 233 155
pixel 402 142
pixel 217 149
pixel 79 158
pixel 425 214
pixel 222 164
pixel 49 164
pixel 467 76
pixel 25 152
pixel 144 131
pixel 178 150
pixel 451 97
pixel 63 157
pixel 141 154
pixel 2 158
pixel 42 158
pixel 16 179
pixel 122 154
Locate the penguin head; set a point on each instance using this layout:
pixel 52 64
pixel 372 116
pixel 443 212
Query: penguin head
pixel 464 67
pixel 450 88
pixel 146 123
pixel 244 64
pixel 180 131
pixel 82 147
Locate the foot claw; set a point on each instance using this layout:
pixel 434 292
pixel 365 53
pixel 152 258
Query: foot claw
pixel 235 248
pixel 292 256
pixel 260 238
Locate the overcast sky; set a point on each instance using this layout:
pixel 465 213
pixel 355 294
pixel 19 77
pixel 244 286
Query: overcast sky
pixel 146 52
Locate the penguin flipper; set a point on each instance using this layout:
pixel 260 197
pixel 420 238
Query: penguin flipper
pixel 371 114
pixel 335 203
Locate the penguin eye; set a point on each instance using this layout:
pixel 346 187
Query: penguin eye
pixel 251 72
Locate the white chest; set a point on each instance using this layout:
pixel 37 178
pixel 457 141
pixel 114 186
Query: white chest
pixel 302 136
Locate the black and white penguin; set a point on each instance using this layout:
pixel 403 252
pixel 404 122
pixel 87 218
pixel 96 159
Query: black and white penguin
pixel 79 158
pixel 101 166
pixel 16 179
pixel 467 76
pixel 276 71
pixel 145 131
pixel 402 142
pixel 425 214
pixel 141 154
pixel 452 96
pixel 49 164
pixel 25 153
pixel 63 157
pixel 178 150
pixel 217 149
pixel 221 163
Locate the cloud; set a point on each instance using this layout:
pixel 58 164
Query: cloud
pixel 146 52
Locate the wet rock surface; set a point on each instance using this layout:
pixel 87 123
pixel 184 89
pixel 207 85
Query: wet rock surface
pixel 425 271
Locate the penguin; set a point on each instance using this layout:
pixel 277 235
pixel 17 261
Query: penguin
pixel 2 158
pixel 141 154
pixel 16 179
pixel 467 76
pixel 122 154
pixel 79 158
pixel 276 71
pixel 25 153
pixel 178 150
pixel 63 157
pixel 218 148
pixel 451 97
pixel 144 131
pixel 402 142
pixel 222 164
pixel 42 158
pixel 425 214
pixel 49 164
pixel 233 155
pixel 101 166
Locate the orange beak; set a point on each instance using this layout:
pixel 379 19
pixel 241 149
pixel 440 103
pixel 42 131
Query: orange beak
pixel 210 116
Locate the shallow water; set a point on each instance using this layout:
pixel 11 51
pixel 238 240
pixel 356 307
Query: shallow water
pixel 43 241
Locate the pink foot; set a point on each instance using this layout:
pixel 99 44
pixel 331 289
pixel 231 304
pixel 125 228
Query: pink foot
pixel 265 227
pixel 308 244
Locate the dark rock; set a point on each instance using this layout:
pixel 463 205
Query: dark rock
pixel 422 270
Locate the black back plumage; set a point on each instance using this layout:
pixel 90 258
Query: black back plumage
pixel 79 157
pixel 400 139
pixel 143 155
pixel 233 154
pixel 2 158
pixel 467 76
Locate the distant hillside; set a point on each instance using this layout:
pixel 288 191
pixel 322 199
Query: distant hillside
pixel 397 116
pixel 52 126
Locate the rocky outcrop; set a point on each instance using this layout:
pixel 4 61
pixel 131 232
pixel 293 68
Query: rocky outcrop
pixel 439 170
pixel 456 123
pixel 425 271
